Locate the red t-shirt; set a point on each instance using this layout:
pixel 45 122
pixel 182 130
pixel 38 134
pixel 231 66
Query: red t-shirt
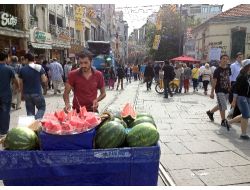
pixel 85 90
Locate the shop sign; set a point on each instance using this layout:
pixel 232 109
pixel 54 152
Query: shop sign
pixel 7 19
pixel 40 36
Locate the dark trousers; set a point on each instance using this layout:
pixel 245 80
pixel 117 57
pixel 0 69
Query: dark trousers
pixel 167 88
pixel 33 101
pixel 205 84
pixel 195 83
pixel 148 84
pixel 5 106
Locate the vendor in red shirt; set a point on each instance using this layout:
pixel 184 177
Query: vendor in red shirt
pixel 85 83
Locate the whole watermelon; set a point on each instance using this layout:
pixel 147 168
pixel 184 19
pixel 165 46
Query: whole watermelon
pixel 141 135
pixel 110 135
pixel 142 114
pixel 120 121
pixel 21 138
pixel 142 119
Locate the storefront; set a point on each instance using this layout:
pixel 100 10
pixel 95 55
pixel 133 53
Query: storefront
pixel 40 42
pixel 60 47
pixel 12 38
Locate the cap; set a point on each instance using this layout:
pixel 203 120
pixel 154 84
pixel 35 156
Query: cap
pixel 246 62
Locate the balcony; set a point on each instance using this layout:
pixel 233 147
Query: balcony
pixel 75 41
pixel 57 30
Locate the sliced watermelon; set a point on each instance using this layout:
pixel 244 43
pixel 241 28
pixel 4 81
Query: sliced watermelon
pixel 128 114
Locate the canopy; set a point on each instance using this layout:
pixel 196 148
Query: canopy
pixel 185 58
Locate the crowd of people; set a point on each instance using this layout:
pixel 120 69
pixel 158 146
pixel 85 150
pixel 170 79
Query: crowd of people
pixel 23 80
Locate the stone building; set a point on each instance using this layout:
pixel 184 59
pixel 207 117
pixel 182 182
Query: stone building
pixel 228 32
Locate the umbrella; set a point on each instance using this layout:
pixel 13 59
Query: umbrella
pixel 185 58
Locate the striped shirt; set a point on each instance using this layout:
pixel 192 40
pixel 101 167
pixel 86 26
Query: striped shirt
pixel 56 71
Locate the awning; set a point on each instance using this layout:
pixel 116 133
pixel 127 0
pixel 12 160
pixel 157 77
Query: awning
pixel 41 46
pixel 61 46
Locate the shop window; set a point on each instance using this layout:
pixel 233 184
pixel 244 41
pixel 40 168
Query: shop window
pixel 59 22
pixel 52 19
pixel 11 9
pixel 72 32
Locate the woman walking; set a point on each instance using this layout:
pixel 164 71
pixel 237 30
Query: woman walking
pixel 111 78
pixel 186 76
pixel 242 98
pixel 206 75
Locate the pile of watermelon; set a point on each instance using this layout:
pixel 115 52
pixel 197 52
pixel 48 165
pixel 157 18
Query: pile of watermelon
pixel 127 129
pixel 61 123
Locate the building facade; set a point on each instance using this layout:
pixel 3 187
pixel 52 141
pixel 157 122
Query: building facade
pixel 228 32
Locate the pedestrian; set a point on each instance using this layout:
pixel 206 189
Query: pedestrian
pixel 56 72
pixel 46 69
pixel 221 86
pixel 7 76
pixel 149 74
pixel 128 73
pixel 111 78
pixel 67 69
pixel 156 71
pixel 186 77
pixel 31 89
pixel 200 82
pixel 195 77
pixel 206 75
pixel 85 83
pixel 169 75
pixel 241 98
pixel 120 75
pixel 135 71
pixel 179 71
pixel 235 70
pixel 16 94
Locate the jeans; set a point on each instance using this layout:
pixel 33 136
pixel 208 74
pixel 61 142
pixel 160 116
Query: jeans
pixel 148 84
pixel 205 84
pixel 5 106
pixel 167 88
pixel 195 83
pixel 244 106
pixel 33 101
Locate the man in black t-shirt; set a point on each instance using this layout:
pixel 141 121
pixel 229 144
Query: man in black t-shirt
pixel 221 86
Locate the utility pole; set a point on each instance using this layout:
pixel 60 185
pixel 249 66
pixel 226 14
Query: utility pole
pixel 180 30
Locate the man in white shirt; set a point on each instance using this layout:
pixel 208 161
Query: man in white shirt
pixel 235 70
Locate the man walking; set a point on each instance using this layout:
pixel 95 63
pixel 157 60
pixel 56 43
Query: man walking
pixel 169 75
pixel 56 72
pixel 149 75
pixel 31 78
pixel 7 76
pixel 85 82
pixel 16 94
pixel 221 86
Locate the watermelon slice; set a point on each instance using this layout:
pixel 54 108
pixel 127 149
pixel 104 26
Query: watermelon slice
pixel 128 114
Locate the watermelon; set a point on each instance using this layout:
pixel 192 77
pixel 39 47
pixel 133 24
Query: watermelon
pixel 110 135
pixel 142 114
pixel 21 138
pixel 121 121
pixel 128 114
pixel 141 135
pixel 142 119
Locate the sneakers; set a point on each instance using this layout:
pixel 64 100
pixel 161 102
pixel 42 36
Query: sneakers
pixel 224 123
pixel 244 137
pixel 210 115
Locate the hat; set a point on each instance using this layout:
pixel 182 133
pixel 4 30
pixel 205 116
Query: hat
pixel 246 62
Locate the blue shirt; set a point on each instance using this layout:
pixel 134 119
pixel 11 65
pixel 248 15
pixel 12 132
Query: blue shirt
pixel 6 74
pixel 56 71
pixel 143 67
pixel 31 80
pixel 235 71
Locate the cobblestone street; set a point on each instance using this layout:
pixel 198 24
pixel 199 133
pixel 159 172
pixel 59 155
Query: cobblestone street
pixel 194 151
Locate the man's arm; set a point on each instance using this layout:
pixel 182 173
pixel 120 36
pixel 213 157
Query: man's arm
pixel 214 82
pixel 67 90
pixel 44 78
pixel 100 97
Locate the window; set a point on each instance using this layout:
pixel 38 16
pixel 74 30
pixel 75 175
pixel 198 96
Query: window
pixel 195 10
pixel 60 22
pixel 72 32
pixel 86 33
pixel 32 9
pixel 52 19
pixel 204 9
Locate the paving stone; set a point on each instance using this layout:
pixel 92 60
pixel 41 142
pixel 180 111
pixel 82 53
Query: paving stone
pixel 172 162
pixel 204 146
pixel 185 177
pixel 221 176
pixel 199 161
pixel 167 138
pixel 229 159
pixel 165 149
pixel 178 148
